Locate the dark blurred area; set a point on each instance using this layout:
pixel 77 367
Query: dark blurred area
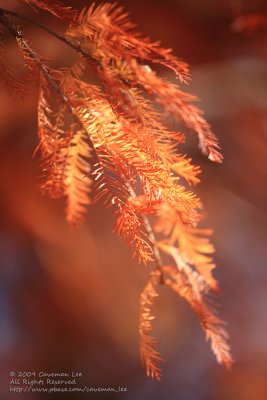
pixel 69 299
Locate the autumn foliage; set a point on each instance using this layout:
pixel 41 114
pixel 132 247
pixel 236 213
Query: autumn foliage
pixel 111 143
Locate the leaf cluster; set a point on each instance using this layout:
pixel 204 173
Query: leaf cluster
pixel 111 143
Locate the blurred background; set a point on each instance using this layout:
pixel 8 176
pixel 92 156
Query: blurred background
pixel 69 300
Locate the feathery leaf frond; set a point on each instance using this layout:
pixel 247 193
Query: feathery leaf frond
pixel 57 8
pixel 77 178
pixel 13 84
pixel 108 26
pixel 211 323
pixel 149 355
pixel 195 248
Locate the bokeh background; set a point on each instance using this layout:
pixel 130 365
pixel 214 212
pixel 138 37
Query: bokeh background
pixel 69 300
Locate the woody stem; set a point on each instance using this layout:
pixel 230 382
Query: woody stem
pixel 17 34
pixel 57 35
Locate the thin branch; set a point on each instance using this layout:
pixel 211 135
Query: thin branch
pixel 94 62
pixel 62 38
pixel 16 32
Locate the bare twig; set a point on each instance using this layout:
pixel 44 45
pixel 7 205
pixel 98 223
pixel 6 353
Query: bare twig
pixel 16 33
pixel 94 62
